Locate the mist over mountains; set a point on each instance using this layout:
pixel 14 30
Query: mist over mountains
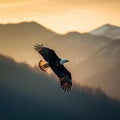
pixel 17 39
pixel 102 69
pixel 29 95
pixel 107 30
pixel 94 57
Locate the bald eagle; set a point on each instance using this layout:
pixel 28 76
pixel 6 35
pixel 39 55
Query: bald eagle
pixel 56 64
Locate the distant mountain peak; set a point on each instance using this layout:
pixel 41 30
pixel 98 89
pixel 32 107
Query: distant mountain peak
pixel 110 26
pixel 30 23
pixel 20 23
pixel 25 26
pixel 107 30
pixel 73 33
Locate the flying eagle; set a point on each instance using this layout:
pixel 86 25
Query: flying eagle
pixel 56 64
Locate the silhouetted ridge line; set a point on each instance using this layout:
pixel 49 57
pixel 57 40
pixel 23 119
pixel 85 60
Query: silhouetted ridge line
pixel 29 95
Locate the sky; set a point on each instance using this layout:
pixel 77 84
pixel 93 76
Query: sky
pixel 62 15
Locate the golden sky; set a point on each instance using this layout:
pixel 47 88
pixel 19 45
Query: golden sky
pixel 62 15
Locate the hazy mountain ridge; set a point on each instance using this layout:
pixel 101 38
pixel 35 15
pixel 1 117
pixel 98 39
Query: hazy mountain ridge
pixel 103 67
pixel 27 34
pixel 24 92
pixel 108 80
pixel 30 27
pixel 107 30
pixel 24 32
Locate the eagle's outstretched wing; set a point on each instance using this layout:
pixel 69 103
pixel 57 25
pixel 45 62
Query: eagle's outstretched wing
pixel 64 75
pixel 54 62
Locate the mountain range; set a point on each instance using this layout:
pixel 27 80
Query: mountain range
pixel 17 39
pixel 92 55
pixel 27 95
pixel 102 69
pixel 107 30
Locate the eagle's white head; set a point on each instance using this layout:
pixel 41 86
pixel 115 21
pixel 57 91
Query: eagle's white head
pixel 62 61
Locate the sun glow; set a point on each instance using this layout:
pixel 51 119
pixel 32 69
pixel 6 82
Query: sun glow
pixel 62 16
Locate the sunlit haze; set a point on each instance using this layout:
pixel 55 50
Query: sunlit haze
pixel 62 15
